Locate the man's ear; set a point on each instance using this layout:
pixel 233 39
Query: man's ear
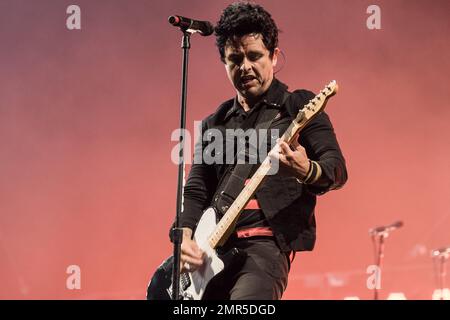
pixel 276 52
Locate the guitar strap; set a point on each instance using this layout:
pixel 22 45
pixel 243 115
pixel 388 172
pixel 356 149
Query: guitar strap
pixel 233 180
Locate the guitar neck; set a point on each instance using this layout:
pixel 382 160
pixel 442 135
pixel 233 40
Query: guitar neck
pixel 228 221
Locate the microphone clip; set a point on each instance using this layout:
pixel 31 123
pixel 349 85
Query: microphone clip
pixel 384 231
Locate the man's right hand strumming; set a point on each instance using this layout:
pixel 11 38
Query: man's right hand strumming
pixel 191 255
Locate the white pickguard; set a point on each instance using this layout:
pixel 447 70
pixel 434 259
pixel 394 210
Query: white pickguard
pixel 212 266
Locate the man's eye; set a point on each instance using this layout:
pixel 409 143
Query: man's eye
pixel 254 57
pixel 235 59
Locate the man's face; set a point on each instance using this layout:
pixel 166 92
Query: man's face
pixel 249 65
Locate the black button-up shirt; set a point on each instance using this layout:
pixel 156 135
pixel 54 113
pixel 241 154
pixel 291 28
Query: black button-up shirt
pixel 287 205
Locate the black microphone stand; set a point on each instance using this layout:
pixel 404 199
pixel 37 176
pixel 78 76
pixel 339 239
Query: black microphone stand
pixel 379 255
pixel 441 260
pixel 177 232
pixel 380 234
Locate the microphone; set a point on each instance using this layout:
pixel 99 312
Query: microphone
pixel 205 28
pixel 385 229
pixel 440 252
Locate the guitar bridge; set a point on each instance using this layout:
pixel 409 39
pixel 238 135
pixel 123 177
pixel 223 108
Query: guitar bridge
pixel 185 282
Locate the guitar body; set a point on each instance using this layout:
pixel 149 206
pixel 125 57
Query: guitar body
pixel 193 285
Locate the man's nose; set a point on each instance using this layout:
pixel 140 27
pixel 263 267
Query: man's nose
pixel 246 65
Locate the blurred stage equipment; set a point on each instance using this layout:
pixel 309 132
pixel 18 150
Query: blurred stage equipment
pixel 396 296
pixel 378 235
pixel 187 27
pixel 440 257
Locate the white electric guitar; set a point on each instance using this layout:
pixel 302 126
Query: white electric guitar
pixel 209 235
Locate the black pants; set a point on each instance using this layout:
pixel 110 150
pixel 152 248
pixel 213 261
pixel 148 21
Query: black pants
pixel 263 275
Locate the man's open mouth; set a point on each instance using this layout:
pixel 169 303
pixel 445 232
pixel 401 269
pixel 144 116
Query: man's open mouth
pixel 247 79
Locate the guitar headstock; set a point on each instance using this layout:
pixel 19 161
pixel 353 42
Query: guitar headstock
pixel 317 104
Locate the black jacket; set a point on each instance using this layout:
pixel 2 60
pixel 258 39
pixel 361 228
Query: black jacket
pixel 287 204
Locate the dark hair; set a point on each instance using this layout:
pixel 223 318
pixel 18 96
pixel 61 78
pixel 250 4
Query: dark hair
pixel 241 18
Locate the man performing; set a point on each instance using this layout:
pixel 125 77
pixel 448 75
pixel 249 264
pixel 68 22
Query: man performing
pixel 279 221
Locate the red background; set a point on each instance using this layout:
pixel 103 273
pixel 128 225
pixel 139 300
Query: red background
pixel 86 118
